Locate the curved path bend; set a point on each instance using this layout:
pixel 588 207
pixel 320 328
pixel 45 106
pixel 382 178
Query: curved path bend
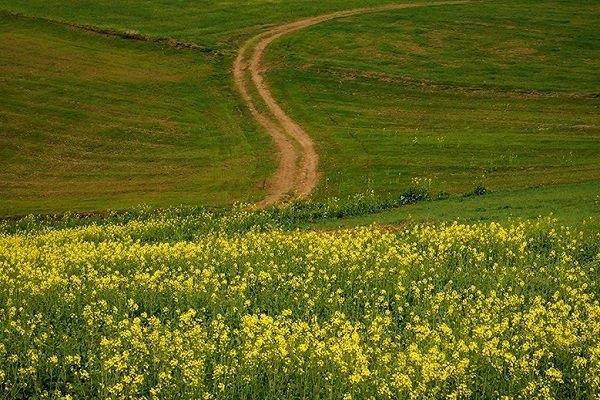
pixel 297 172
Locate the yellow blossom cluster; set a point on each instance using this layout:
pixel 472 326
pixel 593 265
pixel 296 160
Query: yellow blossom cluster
pixel 448 311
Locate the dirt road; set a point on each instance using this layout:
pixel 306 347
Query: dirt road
pixel 297 172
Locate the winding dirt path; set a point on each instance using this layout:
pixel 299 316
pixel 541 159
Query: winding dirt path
pixel 297 173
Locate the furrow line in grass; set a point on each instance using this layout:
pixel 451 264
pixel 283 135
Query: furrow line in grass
pixel 115 33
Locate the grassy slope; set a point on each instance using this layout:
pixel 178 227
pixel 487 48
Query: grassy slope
pixel 105 123
pixel 574 205
pixel 90 122
pixel 498 93
pixel 218 24
pixel 387 127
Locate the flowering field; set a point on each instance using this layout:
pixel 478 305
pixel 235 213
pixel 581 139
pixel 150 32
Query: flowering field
pixel 198 306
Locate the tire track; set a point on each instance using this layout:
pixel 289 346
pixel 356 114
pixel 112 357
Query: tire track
pixel 297 172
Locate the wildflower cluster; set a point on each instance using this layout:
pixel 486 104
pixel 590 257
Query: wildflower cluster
pixel 448 311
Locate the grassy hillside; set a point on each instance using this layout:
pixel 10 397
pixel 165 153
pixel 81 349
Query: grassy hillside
pixel 90 122
pixel 107 123
pixel 502 94
pixel 218 24
pixel 499 94
pixel 571 204
pixel 409 284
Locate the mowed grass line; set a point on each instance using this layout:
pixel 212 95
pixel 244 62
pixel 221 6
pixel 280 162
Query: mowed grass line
pixel 90 122
pixel 499 94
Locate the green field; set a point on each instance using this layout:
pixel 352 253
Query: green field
pixel 498 94
pixel 221 25
pixel 241 305
pixel 90 122
pixel 492 94
pixel 450 250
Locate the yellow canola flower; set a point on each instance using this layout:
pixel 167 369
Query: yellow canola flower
pixel 440 311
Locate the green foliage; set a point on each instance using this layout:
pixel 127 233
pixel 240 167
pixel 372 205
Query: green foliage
pixel 195 221
pixel 414 195
pixel 478 190
pixel 194 304
pixel 443 195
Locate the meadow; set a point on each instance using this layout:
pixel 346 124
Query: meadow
pixel 493 94
pixel 90 122
pixel 450 250
pixel 498 94
pixel 243 304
